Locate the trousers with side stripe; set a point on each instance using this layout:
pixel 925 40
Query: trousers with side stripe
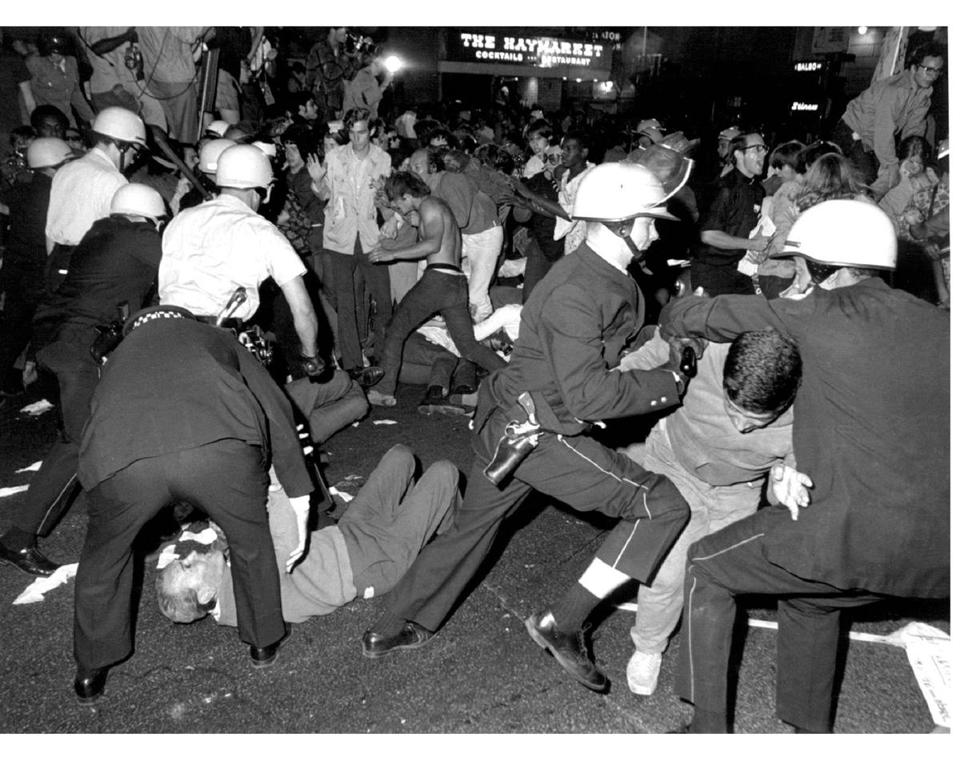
pixel 576 470
pixel 730 563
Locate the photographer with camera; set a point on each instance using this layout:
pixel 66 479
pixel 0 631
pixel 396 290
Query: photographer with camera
pixel 117 77
pixel 113 269
pixel 330 64
pixel 366 89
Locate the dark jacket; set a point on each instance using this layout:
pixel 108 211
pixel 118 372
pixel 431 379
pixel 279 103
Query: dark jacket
pixel 26 240
pixel 871 428
pixel 176 384
pixel 115 263
pixel 573 330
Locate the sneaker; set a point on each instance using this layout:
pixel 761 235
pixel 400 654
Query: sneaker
pixel 379 399
pixel 642 672
pixel 567 648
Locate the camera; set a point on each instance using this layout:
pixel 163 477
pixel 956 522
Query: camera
pixel 358 45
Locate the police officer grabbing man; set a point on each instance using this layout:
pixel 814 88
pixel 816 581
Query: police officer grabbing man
pixel 539 410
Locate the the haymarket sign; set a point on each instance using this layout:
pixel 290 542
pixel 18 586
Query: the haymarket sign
pixel 528 50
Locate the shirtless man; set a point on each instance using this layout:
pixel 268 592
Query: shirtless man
pixel 442 289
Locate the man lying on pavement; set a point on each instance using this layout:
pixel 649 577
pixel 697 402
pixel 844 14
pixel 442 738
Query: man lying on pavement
pixel 375 541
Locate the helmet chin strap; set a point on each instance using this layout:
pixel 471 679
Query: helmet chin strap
pixel 622 230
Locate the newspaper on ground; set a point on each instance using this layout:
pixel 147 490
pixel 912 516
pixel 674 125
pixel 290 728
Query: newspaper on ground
pixel 37 408
pixel 36 591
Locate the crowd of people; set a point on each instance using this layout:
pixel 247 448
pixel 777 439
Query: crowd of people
pixel 216 278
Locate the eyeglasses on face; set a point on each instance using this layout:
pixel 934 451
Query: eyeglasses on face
pixel 932 71
pixel 759 147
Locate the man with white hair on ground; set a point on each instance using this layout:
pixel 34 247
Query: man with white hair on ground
pixel 363 555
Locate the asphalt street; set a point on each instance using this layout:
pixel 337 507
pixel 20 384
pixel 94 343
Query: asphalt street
pixel 480 675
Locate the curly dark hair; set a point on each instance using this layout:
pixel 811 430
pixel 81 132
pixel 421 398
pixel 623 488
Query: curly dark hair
pixel 762 371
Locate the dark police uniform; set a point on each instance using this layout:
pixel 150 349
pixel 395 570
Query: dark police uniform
pixel 115 263
pixel 573 330
pixel 872 430
pixel 22 274
pixel 183 412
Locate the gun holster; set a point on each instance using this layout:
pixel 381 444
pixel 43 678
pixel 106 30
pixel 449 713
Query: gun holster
pixel 108 338
pixel 510 452
pixel 520 437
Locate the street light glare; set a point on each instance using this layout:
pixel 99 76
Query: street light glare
pixel 393 64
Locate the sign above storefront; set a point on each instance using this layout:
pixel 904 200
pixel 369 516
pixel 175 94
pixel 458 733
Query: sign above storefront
pixel 528 50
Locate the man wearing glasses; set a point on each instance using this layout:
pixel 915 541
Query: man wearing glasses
pixel 734 213
pixel 890 109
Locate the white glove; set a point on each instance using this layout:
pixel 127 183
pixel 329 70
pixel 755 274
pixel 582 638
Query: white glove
pixel 301 509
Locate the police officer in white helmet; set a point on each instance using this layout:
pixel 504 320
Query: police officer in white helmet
pixel 188 195
pixel 222 244
pixel 113 272
pixel 870 518
pixel 534 418
pixel 82 192
pixel 25 256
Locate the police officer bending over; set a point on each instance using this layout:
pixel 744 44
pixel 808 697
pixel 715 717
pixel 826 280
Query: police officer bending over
pixel 183 412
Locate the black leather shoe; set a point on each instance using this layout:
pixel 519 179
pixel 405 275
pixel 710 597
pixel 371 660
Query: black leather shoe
pixel 366 376
pixel 411 637
pixel 264 657
pixel 568 649
pixel 29 560
pixel 88 685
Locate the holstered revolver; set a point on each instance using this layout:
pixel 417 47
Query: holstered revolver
pixel 109 336
pixel 519 439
